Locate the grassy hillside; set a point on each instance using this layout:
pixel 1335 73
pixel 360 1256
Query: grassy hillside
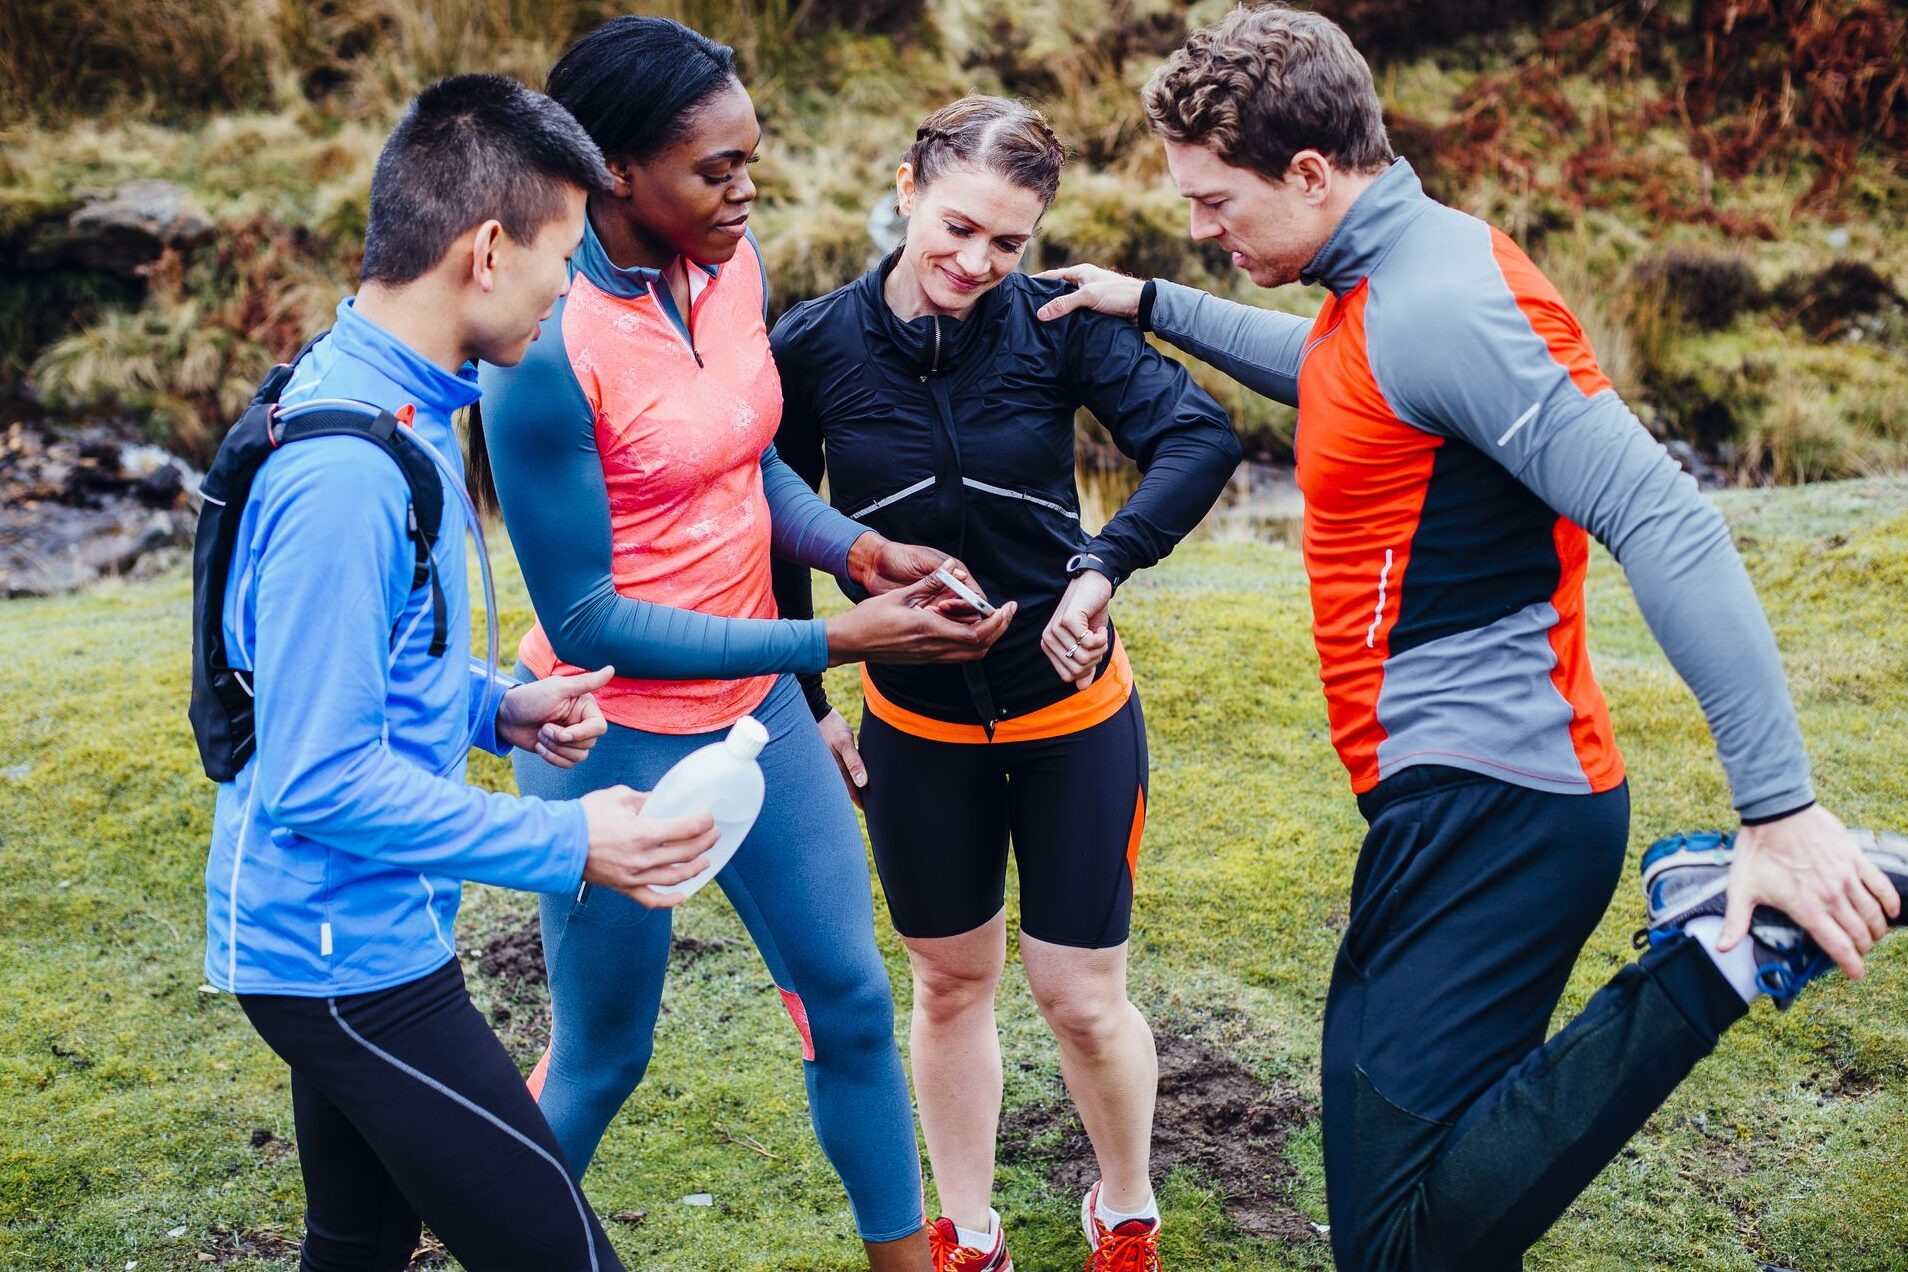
pixel 144 1122
pixel 1722 189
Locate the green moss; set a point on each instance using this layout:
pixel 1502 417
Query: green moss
pixel 132 1096
pixel 1784 408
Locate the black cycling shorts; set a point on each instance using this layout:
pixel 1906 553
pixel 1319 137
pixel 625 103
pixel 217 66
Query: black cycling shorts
pixel 941 815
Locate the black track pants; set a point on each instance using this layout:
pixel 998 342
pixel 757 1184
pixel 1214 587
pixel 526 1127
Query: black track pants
pixel 408 1110
pixel 1455 1135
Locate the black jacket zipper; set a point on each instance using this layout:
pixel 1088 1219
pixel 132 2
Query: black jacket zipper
pixel 934 366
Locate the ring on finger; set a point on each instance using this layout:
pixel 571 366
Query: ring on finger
pixel 1072 651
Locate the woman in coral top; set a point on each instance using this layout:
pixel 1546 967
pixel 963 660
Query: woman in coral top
pixel 632 458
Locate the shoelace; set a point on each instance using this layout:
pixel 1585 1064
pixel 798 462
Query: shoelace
pixel 1131 1251
pixel 1782 980
pixel 950 1255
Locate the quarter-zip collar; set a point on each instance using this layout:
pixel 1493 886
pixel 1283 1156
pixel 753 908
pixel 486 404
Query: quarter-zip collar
pixel 435 392
pixel 932 344
pixel 1371 225
pixel 593 262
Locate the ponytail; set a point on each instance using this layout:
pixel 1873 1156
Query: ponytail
pixel 478 477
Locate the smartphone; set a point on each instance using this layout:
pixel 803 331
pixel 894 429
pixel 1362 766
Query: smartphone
pixel 969 595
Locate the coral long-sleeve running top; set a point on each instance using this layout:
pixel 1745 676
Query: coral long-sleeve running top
pixel 633 461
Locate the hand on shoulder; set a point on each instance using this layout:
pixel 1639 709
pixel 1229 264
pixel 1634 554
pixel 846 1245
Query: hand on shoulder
pixel 1096 288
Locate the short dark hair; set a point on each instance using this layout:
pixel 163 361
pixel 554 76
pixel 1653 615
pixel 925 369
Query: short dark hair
pixel 995 134
pixel 1263 84
pixel 470 148
pixel 634 83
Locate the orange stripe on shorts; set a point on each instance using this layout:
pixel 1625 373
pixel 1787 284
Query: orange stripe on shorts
pixel 1099 702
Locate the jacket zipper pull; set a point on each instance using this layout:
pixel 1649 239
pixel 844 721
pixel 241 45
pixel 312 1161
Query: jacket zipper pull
pixel 934 365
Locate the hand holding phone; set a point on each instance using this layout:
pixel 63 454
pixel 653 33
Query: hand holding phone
pixel 973 599
pixel 933 619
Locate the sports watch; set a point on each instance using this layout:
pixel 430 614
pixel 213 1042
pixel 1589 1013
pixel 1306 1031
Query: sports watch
pixel 1080 562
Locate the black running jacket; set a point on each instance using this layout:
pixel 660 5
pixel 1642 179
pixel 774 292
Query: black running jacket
pixel 959 434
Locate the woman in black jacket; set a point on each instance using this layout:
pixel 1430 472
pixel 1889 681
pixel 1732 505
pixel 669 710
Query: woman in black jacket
pixel 943 412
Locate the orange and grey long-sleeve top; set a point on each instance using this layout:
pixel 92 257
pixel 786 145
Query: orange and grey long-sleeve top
pixel 1457 446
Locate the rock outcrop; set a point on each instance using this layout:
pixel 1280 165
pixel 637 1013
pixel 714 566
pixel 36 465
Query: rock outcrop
pixel 131 226
pixel 75 507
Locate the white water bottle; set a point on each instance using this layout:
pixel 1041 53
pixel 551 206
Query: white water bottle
pixel 721 779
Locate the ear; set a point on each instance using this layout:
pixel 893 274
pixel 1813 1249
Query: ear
pixel 485 242
pixel 904 189
pixel 1312 172
pixel 623 182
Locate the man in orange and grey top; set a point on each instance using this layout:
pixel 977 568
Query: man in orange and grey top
pixel 1457 446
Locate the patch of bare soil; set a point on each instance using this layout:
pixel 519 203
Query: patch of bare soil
pixel 514 988
pixel 1214 1117
pixel 230 1246
pixel 515 957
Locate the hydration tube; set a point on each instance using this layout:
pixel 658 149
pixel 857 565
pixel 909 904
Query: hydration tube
pixel 455 480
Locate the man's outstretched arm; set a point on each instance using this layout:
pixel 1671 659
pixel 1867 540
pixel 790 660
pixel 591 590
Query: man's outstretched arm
pixel 1260 348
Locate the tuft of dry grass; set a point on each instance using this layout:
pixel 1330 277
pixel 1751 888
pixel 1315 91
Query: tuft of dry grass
pixel 174 59
pixel 811 249
pixel 1570 136
pixel 188 360
pixel 1140 230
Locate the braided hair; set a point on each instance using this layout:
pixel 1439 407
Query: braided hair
pixel 997 134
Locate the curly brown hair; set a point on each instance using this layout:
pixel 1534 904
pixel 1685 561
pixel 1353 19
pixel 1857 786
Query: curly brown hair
pixel 996 134
pixel 1266 83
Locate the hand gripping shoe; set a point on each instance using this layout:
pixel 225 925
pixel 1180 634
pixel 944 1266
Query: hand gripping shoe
pixel 1888 852
pixel 1687 876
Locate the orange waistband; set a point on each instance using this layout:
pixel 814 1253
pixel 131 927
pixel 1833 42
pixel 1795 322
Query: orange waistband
pixel 1100 701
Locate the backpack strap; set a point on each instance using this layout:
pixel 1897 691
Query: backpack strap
pixel 280 375
pixel 425 518
pixel 221 711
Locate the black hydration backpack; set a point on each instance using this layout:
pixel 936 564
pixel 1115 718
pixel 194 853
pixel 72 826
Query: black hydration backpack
pixel 221 710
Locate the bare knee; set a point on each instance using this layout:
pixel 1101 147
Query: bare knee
pixel 1087 1024
pixel 945 993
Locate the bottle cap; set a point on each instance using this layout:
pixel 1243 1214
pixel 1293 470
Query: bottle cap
pixel 747 738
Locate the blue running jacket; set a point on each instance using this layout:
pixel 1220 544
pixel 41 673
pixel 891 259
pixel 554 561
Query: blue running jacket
pixel 339 851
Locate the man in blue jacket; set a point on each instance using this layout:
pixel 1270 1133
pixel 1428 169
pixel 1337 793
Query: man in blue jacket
pixel 339 850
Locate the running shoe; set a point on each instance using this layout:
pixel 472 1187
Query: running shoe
pixel 1132 1246
pixel 1687 876
pixel 951 1256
